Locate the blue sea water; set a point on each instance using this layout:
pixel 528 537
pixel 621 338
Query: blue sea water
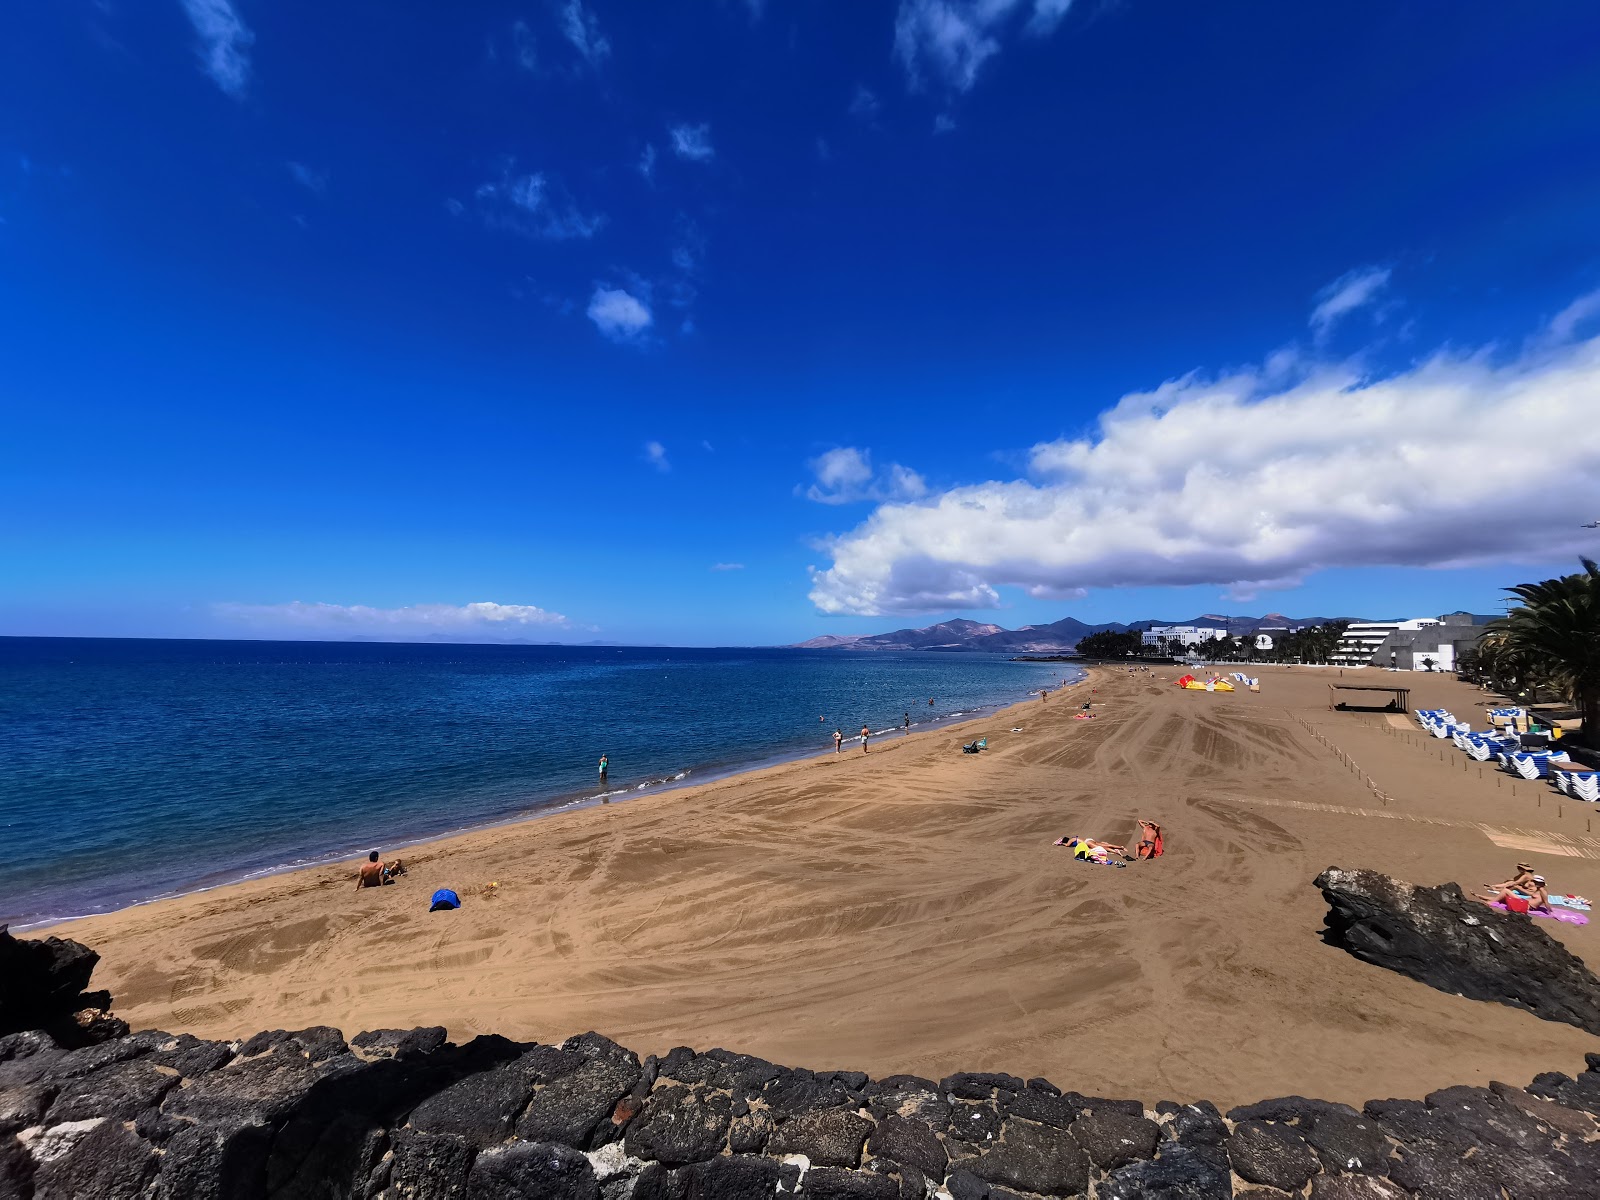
pixel 131 769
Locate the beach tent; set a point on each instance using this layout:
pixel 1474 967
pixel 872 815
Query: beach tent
pixel 1184 680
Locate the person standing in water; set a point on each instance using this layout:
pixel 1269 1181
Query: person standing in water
pixel 908 724
pixel 838 741
pixel 865 734
pixel 605 764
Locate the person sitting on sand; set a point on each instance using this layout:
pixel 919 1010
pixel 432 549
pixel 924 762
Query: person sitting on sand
pixel 375 873
pixel 1151 843
pixel 1534 899
pixel 1521 880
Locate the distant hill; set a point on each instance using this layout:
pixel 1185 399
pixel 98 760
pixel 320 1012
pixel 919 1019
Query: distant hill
pixel 1054 638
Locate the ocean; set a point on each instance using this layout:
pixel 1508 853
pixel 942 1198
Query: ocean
pixel 134 769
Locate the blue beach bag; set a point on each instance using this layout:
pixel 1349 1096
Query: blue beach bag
pixel 444 898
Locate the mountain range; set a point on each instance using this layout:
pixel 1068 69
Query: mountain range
pixel 1054 638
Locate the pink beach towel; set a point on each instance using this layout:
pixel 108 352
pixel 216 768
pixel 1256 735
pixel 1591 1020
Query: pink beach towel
pixel 1564 915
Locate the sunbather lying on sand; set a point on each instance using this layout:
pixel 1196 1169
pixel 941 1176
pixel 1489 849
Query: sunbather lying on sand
pixel 1093 849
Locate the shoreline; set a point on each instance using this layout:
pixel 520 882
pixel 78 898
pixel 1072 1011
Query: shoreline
pixel 688 778
pixel 905 911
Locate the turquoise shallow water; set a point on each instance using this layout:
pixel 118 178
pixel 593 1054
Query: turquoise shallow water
pixel 131 769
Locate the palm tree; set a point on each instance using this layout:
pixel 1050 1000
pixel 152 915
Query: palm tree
pixel 1554 637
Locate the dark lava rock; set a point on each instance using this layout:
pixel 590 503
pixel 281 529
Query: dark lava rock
pixel 913 1098
pixel 913 1184
pixel 976 1124
pixel 108 1163
pixel 23 1106
pixel 1046 1107
pixel 741 1074
pixel 748 1133
pixel 258 1091
pixel 401 1044
pixel 1288 1108
pixel 216 1162
pixel 680 1126
pixel 1485 1117
pixel 1197 1124
pixel 430 1164
pixel 1270 1154
pixel 1439 937
pixel 1347 1143
pixel 532 1171
pixel 978 1085
pixel 1582 1092
pixel 189 1056
pixel 1034 1158
pixel 16 1170
pixel 481 1108
pixel 909 1142
pixel 41 981
pixel 739 1177
pixel 572 1107
pixel 1570 1121
pixel 831 1137
pixel 121 1091
pixel 836 1183
pixel 1180 1173
pixel 1354 1187
pixel 1114 1139
pixel 1128 1108
pixel 796 1092
pixel 964 1185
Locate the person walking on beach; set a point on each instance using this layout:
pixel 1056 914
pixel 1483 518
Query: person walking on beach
pixel 838 741
pixel 908 724
pixel 865 734
pixel 605 763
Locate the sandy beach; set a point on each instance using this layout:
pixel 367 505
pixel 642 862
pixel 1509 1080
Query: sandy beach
pixel 905 911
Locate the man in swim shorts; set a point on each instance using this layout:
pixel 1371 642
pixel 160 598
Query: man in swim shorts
pixel 374 873
pixel 865 734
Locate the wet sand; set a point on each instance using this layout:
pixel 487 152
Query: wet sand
pixel 905 911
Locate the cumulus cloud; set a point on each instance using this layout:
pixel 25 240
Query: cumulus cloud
pixel 619 314
pixel 535 205
pixel 692 142
pixel 727 566
pixel 224 43
pixel 582 28
pixel 1351 291
pixel 342 620
pixel 944 43
pixel 845 475
pixel 656 455
pixel 1253 480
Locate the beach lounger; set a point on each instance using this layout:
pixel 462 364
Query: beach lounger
pixel 1585 786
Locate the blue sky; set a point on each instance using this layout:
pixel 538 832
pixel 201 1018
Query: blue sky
pixel 741 322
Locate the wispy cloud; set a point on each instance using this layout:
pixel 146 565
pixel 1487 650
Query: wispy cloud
pixel 619 314
pixel 1255 479
pixel 316 181
pixel 692 142
pixel 582 28
pixel 483 618
pixel 727 566
pixel 1351 291
pixel 647 163
pixel 656 455
pixel 524 46
pixel 845 475
pixel 534 205
pixel 944 43
pixel 224 42
pixel 944 123
pixel 864 104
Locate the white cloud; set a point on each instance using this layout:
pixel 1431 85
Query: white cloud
pixel 727 566
pixel 619 314
pixel 581 27
pixel 692 142
pixel 534 205
pixel 1351 291
pixel 481 618
pixel 315 181
pixel 526 50
pixel 946 42
pixel 845 475
pixel 944 123
pixel 1253 481
pixel 656 455
pixel 647 163
pixel 224 42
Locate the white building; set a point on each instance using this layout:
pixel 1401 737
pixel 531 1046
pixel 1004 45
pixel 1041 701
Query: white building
pixel 1179 635
pixel 1362 639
